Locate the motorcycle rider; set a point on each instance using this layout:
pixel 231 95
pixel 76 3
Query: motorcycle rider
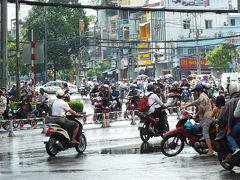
pixel 184 83
pixel 104 93
pixel 155 104
pixel 133 95
pixel 174 95
pixel 159 88
pixel 115 95
pixel 43 100
pixel 229 121
pixel 204 113
pixel 94 90
pixel 59 110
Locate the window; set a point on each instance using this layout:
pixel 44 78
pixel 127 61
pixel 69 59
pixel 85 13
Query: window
pixel 232 22
pixel 186 24
pixel 208 24
pixel 191 51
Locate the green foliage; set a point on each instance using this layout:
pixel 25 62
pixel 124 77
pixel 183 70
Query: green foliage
pixel 221 57
pixel 99 69
pixel 76 106
pixel 60 27
pixel 23 69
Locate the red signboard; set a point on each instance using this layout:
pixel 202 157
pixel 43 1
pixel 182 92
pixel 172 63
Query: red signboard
pixel 191 63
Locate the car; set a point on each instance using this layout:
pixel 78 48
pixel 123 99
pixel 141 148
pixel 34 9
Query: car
pixel 54 86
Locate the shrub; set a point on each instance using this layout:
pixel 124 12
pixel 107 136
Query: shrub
pixel 76 106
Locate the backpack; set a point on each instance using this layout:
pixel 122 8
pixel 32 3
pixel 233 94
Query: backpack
pixel 143 105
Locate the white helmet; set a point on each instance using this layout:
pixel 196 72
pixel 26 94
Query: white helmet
pixel 60 93
pixel 234 87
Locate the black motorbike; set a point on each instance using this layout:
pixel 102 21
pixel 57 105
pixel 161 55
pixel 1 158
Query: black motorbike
pixel 224 150
pixel 58 139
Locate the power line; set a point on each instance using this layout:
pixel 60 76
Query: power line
pixel 136 8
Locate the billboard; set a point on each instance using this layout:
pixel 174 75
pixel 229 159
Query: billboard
pixel 144 56
pixel 191 63
pixel 194 4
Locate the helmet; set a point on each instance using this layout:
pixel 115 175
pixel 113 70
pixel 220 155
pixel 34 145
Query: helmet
pixel 175 83
pixel 133 85
pixel 60 93
pixel 106 85
pixel 234 87
pixel 198 87
pixel 96 84
pixel 150 87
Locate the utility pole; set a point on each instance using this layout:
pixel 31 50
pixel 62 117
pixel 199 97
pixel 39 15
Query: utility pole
pixel 197 47
pixel 17 50
pixel 4 49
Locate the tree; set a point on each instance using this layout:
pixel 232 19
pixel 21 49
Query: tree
pixel 99 69
pixel 23 70
pixel 60 26
pixel 222 56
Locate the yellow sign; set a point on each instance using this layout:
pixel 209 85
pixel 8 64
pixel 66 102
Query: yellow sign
pixel 144 56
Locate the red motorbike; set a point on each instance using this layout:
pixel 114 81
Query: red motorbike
pixel 150 126
pixel 174 140
pixel 130 107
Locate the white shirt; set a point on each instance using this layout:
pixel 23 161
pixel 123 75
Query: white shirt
pixel 60 107
pixel 43 98
pixel 3 103
pixel 153 101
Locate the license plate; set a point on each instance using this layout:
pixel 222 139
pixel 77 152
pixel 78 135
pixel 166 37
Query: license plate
pixel 45 139
pixel 140 125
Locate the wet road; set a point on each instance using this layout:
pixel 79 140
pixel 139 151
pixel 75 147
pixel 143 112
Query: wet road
pixel 112 153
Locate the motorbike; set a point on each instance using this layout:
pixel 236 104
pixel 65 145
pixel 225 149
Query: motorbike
pixel 58 139
pixel 100 108
pixel 39 108
pixel 148 126
pixel 224 151
pixel 83 91
pixel 174 140
pixel 173 103
pixel 185 94
pixel 129 108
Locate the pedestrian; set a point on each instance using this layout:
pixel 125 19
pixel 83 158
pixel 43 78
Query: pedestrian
pixel 3 104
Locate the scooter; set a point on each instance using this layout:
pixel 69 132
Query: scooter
pixel 174 140
pixel 149 126
pixel 58 139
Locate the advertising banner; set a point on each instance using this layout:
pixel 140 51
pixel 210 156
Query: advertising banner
pixel 193 4
pixel 144 56
pixel 191 63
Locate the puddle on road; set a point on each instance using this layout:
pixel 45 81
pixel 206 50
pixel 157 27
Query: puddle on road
pixel 144 148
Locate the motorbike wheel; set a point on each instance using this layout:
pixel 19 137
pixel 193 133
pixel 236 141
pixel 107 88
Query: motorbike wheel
pixel 83 144
pixel 15 124
pixel 144 133
pixel 6 125
pixel 171 145
pixel 228 166
pixel 51 148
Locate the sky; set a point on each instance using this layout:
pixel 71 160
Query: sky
pixel 25 8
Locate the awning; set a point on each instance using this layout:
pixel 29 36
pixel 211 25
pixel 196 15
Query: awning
pixel 109 70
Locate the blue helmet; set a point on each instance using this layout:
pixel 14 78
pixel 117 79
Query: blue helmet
pixel 198 87
pixel 150 87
